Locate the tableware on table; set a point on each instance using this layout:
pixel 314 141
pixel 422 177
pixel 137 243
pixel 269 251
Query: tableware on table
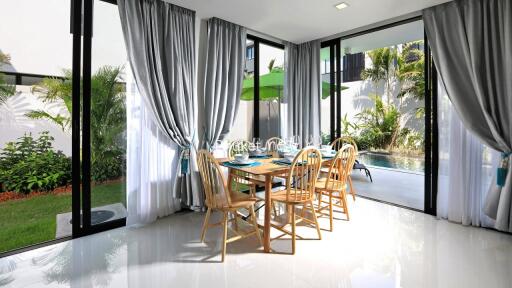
pixel 242 162
pixel 241 157
pixel 326 147
pixel 288 157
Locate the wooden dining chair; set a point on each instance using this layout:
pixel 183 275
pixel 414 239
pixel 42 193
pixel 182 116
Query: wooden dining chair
pixel 220 198
pixel 241 181
pixel 272 145
pixel 336 146
pixel 334 185
pixel 300 191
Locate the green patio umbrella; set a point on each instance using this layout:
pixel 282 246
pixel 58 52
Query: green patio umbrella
pixel 271 87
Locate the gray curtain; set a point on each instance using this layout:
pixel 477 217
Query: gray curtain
pixel 225 62
pixel 302 89
pixel 471 44
pixel 160 40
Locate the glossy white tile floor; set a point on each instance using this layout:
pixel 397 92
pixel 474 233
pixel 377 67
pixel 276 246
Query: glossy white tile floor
pixel 382 246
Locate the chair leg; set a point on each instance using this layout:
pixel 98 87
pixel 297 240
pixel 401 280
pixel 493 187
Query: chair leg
pixel 345 204
pixel 205 224
pixel 255 223
pixel 235 219
pixel 290 209
pixel 319 199
pixel 225 235
pixel 274 208
pixel 293 229
pixel 352 191
pixel 316 221
pixel 330 211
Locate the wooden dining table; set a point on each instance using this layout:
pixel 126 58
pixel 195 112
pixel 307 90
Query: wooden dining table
pixel 267 170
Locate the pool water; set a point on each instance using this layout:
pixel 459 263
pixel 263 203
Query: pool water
pixel 392 161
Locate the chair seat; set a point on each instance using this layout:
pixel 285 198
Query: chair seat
pixel 321 182
pixel 280 196
pixel 359 166
pixel 238 200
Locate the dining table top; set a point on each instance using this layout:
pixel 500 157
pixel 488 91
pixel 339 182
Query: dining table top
pixel 268 166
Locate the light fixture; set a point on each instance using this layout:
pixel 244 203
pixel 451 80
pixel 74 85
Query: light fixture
pixel 342 5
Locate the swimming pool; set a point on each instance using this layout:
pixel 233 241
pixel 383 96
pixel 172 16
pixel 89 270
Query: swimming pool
pixel 392 161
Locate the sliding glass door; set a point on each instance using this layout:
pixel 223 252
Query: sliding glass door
pixel 62 120
pixel 378 98
pixel 107 117
pixel 261 107
pixel 100 199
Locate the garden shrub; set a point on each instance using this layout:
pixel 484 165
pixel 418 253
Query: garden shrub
pixel 108 168
pixel 33 165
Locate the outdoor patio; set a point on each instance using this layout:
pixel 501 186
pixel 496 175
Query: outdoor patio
pixel 395 186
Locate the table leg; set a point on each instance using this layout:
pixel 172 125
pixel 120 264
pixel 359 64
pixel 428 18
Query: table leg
pixel 268 207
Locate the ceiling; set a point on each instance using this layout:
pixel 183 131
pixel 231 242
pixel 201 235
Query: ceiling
pixel 304 20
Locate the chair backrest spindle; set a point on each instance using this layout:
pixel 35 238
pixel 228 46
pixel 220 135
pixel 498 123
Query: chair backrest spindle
pixel 304 170
pixel 214 184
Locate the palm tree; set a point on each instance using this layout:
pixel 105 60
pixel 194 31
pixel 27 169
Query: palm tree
pixel 6 90
pixel 383 64
pixel 107 118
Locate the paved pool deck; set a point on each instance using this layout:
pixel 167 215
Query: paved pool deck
pixel 394 186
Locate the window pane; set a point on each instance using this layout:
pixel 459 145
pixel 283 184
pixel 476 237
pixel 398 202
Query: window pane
pixel 271 91
pixel 243 124
pixel 108 116
pixel 325 102
pixel 35 132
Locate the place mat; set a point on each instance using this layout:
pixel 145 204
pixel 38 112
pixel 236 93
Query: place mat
pixel 284 162
pixel 264 156
pixel 233 165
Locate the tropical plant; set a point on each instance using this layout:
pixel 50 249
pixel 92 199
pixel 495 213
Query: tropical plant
pixel 6 90
pixel 382 68
pixel 348 127
pixel 410 66
pixel 404 68
pixel 32 164
pixel 378 125
pixel 107 117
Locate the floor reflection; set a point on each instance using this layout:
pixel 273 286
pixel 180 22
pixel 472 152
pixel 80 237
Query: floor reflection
pixel 382 246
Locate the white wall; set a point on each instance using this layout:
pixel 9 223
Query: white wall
pixel 14 123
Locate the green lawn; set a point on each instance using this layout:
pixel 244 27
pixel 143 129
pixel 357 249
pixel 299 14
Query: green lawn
pixel 30 221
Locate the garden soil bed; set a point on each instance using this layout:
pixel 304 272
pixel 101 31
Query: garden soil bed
pixel 11 195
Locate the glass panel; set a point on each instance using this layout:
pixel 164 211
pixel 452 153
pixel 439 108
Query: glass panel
pixel 271 62
pixel 325 102
pixel 108 116
pixel 382 107
pixel 35 132
pixel 243 124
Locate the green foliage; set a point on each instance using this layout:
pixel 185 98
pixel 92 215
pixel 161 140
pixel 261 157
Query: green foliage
pixel 6 90
pixel 348 127
pixel 107 118
pixel 382 63
pixel 378 125
pixel 33 165
pixel 382 125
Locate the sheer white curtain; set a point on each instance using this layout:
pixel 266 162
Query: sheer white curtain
pixel 151 163
pixel 466 169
